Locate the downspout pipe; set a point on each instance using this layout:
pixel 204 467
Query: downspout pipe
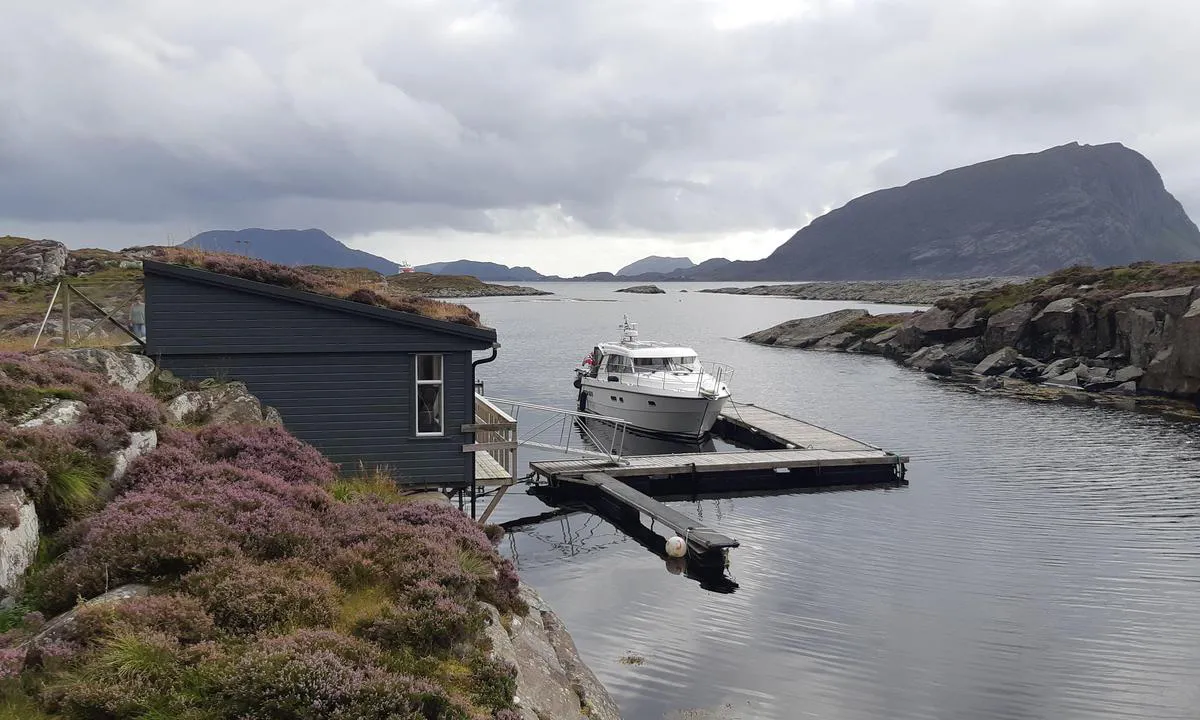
pixel 475 364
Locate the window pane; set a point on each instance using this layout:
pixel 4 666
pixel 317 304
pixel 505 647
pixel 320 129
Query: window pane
pixel 429 367
pixel 429 408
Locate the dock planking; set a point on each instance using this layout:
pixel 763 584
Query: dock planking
pixel 781 442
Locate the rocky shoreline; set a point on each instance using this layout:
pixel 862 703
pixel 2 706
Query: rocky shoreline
pixel 489 291
pixel 1080 342
pixel 896 292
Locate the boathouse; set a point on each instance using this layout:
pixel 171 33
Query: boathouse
pixel 364 384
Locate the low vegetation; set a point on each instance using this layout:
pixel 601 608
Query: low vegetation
pixel 1094 286
pixel 346 285
pixel 869 325
pixel 280 589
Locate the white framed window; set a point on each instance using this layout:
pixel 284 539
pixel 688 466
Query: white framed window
pixel 431 396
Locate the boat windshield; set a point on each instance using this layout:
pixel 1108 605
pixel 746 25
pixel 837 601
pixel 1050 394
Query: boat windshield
pixel 665 364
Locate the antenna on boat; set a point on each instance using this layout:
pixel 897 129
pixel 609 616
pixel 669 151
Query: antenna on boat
pixel 629 331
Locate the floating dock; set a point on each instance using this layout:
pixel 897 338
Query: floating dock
pixel 785 452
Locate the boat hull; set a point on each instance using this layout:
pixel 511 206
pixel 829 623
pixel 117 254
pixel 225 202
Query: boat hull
pixel 672 415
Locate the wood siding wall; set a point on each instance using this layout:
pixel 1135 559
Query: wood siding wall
pixel 344 383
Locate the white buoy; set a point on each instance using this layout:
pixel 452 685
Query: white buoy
pixel 676 546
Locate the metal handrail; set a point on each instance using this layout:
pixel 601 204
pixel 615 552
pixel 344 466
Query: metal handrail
pixel 558 419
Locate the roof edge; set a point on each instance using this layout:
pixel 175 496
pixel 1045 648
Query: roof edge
pixel 183 272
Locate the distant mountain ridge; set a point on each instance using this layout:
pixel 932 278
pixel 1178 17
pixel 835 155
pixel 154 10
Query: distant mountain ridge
pixel 481 270
pixel 291 247
pixel 1025 215
pixel 655 264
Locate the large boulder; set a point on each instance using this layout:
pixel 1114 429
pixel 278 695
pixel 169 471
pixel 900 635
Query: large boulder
pixel 1145 322
pixel 123 369
pixel 140 443
pixel 998 362
pixel 1008 327
pixel 63 412
pixel 936 325
pixel 36 261
pixel 1176 369
pixel 967 350
pixel 227 403
pixel 932 359
pixel 803 332
pixel 62 626
pixel 836 341
pixel 18 538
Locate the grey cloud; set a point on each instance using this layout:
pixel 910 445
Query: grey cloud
pixel 628 117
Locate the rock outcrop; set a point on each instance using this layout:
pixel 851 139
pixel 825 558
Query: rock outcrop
pixel 18 539
pixel 32 262
pixel 1066 336
pixel 225 403
pixel 123 369
pixel 552 680
pixel 804 332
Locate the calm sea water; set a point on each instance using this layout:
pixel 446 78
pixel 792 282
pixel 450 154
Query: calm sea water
pixel 1043 562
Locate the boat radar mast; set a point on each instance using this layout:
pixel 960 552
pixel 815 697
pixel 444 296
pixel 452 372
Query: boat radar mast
pixel 629 332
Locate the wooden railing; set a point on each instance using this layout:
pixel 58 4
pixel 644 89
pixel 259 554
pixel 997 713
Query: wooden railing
pixel 496 434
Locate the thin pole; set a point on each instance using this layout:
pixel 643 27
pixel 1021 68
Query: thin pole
pixel 67 317
pixel 49 308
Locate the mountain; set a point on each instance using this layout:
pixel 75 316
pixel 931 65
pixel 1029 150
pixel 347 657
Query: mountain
pixel 655 264
pixel 291 247
pixel 481 270
pixel 1020 215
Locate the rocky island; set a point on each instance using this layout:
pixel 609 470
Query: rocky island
pixel 643 290
pixel 896 292
pixel 1131 332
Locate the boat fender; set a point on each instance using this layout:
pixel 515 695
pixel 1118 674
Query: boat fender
pixel 676 547
pixel 577 382
pixel 582 401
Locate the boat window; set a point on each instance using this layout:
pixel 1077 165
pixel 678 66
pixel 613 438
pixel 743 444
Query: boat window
pixel 665 364
pixel 618 364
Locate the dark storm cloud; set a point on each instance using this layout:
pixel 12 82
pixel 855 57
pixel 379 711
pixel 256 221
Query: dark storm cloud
pixel 668 118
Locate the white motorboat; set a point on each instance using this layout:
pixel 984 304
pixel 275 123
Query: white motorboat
pixel 655 387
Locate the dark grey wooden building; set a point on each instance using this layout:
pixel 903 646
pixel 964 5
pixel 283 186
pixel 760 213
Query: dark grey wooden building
pixel 364 384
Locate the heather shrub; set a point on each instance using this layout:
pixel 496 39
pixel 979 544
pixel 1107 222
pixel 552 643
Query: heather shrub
pixel 164 465
pixel 23 474
pixel 72 473
pixel 134 412
pixel 268 449
pixel 493 682
pixel 178 438
pixel 247 597
pixel 321 674
pixel 163 531
pixel 144 674
pixel 428 620
pixel 180 617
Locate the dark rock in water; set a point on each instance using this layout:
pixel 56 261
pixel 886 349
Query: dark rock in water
pixel 1125 388
pixel 1127 373
pixel 998 362
pixel 644 290
pixel 804 332
pixel 1007 328
pixel 968 350
pixel 1028 214
pixel 932 359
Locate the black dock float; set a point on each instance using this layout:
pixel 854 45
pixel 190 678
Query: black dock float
pixel 700 539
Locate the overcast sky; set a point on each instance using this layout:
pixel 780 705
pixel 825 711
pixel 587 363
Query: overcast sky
pixel 570 136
